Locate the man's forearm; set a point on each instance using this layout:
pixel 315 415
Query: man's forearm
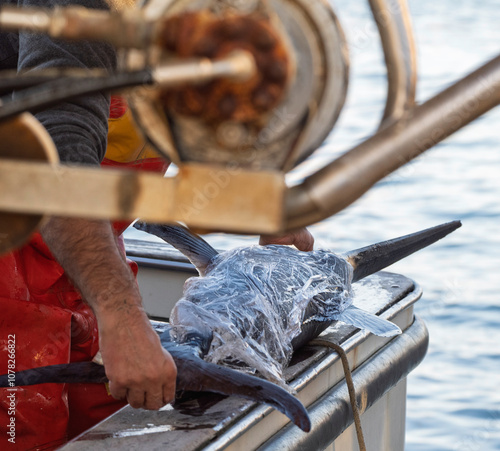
pixel 88 252
pixel 137 366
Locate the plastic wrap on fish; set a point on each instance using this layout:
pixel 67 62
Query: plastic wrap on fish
pixel 253 301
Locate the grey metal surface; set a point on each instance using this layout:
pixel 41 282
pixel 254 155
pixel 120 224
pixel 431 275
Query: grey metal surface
pixel 164 265
pixel 162 253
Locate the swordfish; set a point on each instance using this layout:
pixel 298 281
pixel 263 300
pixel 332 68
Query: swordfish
pixel 250 309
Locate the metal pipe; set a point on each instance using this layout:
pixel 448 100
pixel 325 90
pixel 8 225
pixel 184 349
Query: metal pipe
pixel 238 65
pixel 12 80
pixel 346 179
pixel 36 20
pixel 394 24
pixel 127 29
pixel 37 98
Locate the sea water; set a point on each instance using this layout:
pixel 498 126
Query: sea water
pixel 454 395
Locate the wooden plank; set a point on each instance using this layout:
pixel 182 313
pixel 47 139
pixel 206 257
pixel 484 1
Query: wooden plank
pixel 207 197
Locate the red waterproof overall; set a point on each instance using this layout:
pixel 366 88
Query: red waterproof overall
pixel 44 321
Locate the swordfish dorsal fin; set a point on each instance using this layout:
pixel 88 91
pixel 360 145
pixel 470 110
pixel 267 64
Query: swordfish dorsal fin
pixel 194 247
pixel 370 259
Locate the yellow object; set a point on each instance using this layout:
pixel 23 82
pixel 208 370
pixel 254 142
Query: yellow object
pixel 125 143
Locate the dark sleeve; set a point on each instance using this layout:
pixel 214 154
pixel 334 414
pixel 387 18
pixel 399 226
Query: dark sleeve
pixel 78 128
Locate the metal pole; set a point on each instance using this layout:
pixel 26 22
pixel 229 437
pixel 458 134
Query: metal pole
pixel 124 30
pixel 238 65
pixel 394 25
pixel 343 181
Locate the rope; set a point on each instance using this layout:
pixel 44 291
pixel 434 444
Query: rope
pixel 350 387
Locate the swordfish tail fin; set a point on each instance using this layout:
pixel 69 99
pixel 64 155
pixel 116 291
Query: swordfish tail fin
pixel 370 259
pixel 194 247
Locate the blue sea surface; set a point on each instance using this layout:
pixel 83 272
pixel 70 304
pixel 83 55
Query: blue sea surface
pixel 454 395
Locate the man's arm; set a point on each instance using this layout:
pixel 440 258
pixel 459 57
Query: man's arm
pixel 138 368
pixel 78 128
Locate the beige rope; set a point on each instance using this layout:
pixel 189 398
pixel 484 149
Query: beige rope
pixel 350 387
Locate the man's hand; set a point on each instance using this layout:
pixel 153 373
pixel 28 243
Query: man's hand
pixel 301 239
pixel 138 367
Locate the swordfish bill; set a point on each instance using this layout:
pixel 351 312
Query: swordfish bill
pixel 370 259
